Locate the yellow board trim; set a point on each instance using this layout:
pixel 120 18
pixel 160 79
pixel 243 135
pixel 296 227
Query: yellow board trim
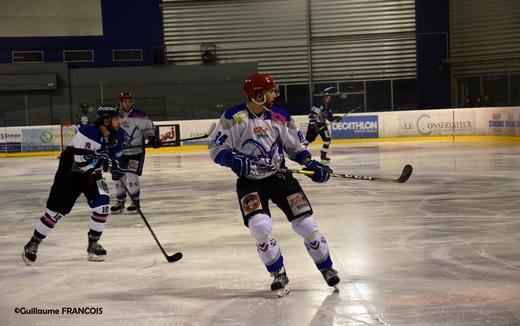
pixel 198 148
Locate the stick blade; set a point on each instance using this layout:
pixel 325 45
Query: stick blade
pixel 407 172
pixel 175 257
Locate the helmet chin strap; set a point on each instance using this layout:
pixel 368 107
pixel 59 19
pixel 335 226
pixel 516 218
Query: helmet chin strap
pixel 262 103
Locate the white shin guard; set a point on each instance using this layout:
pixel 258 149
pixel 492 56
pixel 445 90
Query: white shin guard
pixel 269 251
pixel 314 241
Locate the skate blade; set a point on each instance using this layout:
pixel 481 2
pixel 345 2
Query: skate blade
pixel 116 212
pixel 94 257
pixel 336 288
pixel 26 260
pixel 282 292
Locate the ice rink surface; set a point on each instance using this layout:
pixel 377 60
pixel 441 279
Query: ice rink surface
pixel 441 249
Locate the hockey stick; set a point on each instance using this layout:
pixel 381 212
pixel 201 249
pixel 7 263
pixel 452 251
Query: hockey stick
pixel 206 135
pixel 407 172
pixel 345 114
pixel 172 258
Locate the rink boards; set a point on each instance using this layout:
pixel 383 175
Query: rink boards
pixel 444 124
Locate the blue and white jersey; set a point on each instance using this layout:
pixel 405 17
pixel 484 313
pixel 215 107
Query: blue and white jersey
pixel 263 138
pixel 137 127
pixel 86 143
pixel 320 114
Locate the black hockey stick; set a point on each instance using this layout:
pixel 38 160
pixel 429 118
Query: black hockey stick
pixel 345 114
pixel 206 135
pixel 172 258
pixel 407 172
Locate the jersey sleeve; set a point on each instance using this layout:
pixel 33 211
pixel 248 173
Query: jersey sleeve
pixel 148 127
pixel 293 141
pixel 224 138
pixel 84 149
pixel 314 114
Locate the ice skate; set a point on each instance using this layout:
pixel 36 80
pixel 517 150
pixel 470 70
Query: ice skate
pixel 96 252
pixel 30 251
pixel 118 207
pixel 324 159
pixel 279 282
pixel 331 277
pixel 134 206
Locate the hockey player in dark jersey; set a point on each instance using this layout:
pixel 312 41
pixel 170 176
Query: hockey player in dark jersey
pixel 251 139
pixel 95 148
pixel 137 128
pixel 318 117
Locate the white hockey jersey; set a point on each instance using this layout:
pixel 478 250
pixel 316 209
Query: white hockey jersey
pixel 137 127
pixel 263 138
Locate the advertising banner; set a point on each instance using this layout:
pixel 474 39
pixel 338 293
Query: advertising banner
pixel 11 140
pixel 356 127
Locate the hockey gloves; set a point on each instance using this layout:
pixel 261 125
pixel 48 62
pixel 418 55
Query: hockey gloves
pixel 336 118
pixel 154 142
pixel 239 163
pixel 111 165
pixel 321 172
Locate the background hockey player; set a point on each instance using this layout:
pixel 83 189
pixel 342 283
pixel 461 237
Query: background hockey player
pixel 137 127
pixel 251 139
pixel 83 121
pixel 318 117
pixel 94 148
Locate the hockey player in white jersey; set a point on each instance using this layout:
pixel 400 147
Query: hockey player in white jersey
pixel 96 147
pixel 251 139
pixel 137 128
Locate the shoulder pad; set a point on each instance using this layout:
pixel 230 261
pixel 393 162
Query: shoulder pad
pixel 137 113
pixel 279 114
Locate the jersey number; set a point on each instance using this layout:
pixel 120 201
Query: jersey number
pixel 220 138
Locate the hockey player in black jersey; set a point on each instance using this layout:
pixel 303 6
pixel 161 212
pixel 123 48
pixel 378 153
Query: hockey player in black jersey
pixel 318 117
pixel 251 139
pixel 95 148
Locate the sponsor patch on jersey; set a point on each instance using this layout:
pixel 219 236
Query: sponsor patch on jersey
pixel 298 203
pixel 260 131
pixel 250 203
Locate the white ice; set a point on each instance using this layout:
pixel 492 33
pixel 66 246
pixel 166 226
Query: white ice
pixel 441 249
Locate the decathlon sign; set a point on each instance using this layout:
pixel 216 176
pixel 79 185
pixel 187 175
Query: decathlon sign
pixel 356 127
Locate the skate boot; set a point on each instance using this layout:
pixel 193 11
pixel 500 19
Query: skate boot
pixel 30 250
pixel 134 206
pixel 324 158
pixel 118 207
pixel 331 277
pixel 96 252
pixel 279 282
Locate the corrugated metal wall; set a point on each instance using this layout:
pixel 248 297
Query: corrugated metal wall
pixel 350 39
pixel 25 108
pixel 363 39
pixel 268 32
pixel 485 36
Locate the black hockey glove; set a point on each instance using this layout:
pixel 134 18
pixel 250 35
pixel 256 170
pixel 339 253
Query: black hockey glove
pixel 321 172
pixel 116 174
pixel 336 118
pixel 111 165
pixel 154 142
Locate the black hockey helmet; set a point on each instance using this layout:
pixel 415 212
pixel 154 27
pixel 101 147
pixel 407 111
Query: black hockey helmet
pixel 108 111
pixel 330 91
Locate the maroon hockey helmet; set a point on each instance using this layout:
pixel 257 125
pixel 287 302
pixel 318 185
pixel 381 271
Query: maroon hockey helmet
pixel 124 95
pixel 258 83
